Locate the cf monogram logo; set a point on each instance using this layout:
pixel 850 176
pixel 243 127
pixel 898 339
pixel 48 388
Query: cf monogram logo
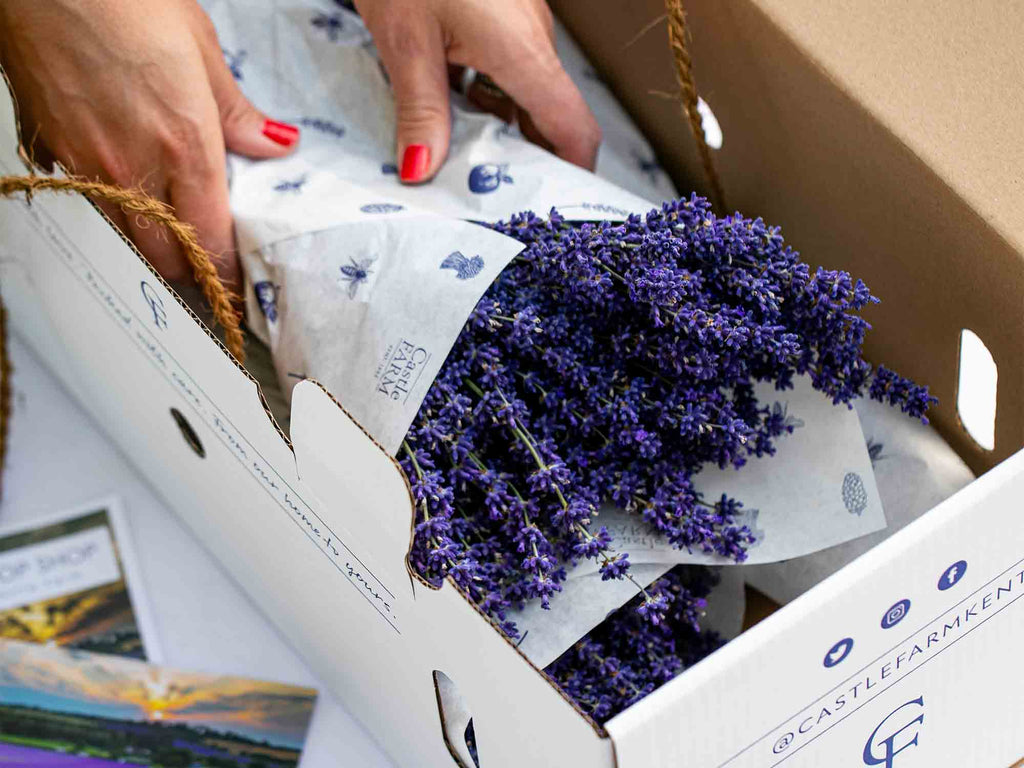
pixel 883 750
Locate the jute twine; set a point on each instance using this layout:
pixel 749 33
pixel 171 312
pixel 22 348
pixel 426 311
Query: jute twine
pixel 677 38
pixel 133 202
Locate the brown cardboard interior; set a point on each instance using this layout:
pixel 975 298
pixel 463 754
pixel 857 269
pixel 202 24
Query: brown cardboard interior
pixel 857 128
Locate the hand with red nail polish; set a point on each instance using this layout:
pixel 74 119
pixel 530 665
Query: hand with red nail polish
pixel 137 93
pixel 422 41
pixel 415 163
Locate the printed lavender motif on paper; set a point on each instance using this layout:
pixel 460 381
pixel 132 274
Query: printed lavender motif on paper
pixel 464 268
pixel 355 274
pixel 329 23
pixel 855 496
pixel 381 208
pixel 488 177
pixel 291 185
pixel 234 62
pixel 266 295
pixel 389 169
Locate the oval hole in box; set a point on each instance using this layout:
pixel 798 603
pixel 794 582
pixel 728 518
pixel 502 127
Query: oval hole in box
pixel 188 433
pixel 976 390
pixel 456 721
pixel 712 128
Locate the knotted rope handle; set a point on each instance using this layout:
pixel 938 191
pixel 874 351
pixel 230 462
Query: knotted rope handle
pixel 678 33
pixel 132 202
pixel 138 203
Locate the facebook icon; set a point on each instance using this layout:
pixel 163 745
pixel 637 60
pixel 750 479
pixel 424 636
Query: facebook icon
pixel 952 575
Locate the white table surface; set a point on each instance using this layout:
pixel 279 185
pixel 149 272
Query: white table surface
pixel 59 459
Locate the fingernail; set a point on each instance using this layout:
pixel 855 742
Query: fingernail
pixel 280 133
pixel 415 161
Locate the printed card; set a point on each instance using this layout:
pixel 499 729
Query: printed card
pixel 71 581
pixel 65 708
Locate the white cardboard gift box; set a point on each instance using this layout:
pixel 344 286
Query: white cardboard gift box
pixel 909 656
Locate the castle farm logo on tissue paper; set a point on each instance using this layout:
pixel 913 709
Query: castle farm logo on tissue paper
pixel 401 369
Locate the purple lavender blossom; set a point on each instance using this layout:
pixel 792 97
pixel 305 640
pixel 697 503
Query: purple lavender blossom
pixel 611 363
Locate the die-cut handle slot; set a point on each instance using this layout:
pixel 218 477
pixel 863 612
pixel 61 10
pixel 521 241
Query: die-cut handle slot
pixel 977 381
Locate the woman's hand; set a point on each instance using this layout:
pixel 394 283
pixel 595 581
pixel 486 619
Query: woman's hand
pixel 511 41
pixel 137 93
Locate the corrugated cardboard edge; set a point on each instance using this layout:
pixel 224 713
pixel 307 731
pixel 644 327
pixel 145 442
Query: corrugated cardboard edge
pixel 416 577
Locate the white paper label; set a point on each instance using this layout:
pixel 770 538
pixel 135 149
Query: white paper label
pixel 63 566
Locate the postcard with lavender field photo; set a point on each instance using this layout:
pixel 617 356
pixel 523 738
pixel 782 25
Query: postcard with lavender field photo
pixel 65 708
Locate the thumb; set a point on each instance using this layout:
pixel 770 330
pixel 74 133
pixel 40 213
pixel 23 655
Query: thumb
pixel 247 131
pixel 414 55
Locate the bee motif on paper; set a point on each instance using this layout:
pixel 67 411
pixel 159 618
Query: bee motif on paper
pixel 266 296
pixel 330 23
pixel 855 495
pixel 748 517
pixel 789 422
pixel 234 62
pixel 291 185
pixel 487 177
pixel 464 268
pixel 355 273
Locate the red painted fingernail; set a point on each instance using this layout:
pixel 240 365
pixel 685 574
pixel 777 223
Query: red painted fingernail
pixel 280 133
pixel 415 161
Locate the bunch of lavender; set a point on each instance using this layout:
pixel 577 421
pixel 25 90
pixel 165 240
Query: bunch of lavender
pixel 610 362
pixel 626 657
